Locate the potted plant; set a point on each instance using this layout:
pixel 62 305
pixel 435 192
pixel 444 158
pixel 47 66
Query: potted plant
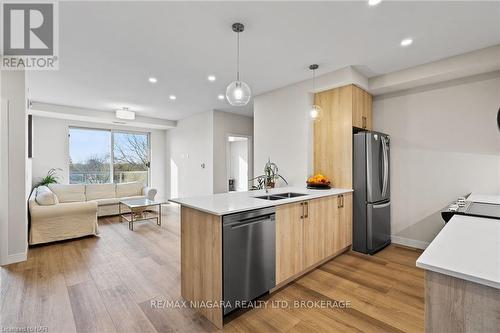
pixel 269 178
pixel 50 178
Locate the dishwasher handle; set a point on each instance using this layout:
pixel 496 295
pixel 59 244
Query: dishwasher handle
pixel 250 221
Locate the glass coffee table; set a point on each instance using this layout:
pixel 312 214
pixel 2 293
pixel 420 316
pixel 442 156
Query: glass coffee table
pixel 139 210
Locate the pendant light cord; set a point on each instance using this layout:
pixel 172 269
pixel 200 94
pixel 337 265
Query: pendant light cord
pixel 238 57
pixel 314 79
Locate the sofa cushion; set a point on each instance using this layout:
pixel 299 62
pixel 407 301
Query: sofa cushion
pixel 100 191
pixel 128 189
pixel 115 201
pixel 45 197
pixel 69 193
pixel 107 201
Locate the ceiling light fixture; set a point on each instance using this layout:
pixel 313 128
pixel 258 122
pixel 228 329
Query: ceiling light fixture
pixel 125 113
pixel 211 78
pixel 406 42
pixel 221 97
pixel 172 97
pixel 315 111
pixel 238 93
pixel 152 80
pixel 374 2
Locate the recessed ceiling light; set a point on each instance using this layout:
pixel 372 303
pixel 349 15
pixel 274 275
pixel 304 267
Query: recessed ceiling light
pixel 152 80
pixel 172 97
pixel 211 78
pixel 406 42
pixel 374 2
pixel 221 97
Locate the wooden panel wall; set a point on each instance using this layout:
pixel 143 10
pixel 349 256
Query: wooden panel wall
pixel 201 260
pixel 455 305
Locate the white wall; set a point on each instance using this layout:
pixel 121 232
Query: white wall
pixel 13 168
pixel 283 128
pixel 228 123
pixel 201 139
pixel 50 149
pixel 444 143
pixel 190 145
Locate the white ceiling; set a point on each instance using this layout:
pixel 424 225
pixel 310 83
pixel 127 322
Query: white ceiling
pixel 109 49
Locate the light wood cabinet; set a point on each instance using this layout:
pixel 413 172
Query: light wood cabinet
pixel 361 108
pixel 289 240
pixel 332 150
pixel 343 108
pixel 319 230
pixel 311 231
pixel 343 230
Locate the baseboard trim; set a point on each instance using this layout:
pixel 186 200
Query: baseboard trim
pixel 409 242
pixel 13 258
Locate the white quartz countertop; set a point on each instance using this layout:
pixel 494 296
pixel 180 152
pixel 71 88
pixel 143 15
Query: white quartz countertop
pixel 467 248
pixel 486 198
pixel 233 202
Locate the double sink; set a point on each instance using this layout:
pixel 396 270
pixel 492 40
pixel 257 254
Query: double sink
pixel 281 196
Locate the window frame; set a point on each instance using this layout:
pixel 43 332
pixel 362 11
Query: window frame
pixel 112 145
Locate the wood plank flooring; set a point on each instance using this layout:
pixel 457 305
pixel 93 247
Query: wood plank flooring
pixel 110 284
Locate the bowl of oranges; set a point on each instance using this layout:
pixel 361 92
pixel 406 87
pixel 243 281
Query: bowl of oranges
pixel 318 181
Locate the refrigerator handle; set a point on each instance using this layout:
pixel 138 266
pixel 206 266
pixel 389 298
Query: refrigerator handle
pixel 386 166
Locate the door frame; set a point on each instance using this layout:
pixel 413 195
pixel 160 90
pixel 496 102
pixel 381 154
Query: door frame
pixel 249 157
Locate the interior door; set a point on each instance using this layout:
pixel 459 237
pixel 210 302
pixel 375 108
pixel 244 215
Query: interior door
pixel 377 167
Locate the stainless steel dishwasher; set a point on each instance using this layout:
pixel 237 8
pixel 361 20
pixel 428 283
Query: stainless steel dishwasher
pixel 249 256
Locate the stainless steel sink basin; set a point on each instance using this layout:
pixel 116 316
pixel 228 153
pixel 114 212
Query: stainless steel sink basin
pixel 270 197
pixel 281 196
pixel 290 195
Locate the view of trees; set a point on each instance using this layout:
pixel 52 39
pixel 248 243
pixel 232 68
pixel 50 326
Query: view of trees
pixel 94 170
pixel 130 157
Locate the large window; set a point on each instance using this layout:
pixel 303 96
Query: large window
pixel 103 156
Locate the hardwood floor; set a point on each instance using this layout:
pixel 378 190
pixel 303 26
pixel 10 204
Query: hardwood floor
pixel 110 284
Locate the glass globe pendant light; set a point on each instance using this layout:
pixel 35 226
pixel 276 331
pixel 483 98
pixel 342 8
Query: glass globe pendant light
pixel 238 93
pixel 315 111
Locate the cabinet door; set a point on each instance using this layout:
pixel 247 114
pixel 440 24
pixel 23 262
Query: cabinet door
pixel 345 222
pixel 289 240
pixel 333 136
pixel 319 230
pixel 367 110
pixel 361 108
pixel 357 107
pixel 314 231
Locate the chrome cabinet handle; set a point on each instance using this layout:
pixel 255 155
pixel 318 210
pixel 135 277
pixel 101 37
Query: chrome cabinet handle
pixel 307 209
pixel 302 205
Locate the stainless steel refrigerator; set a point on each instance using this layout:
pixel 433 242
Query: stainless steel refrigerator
pixel 372 194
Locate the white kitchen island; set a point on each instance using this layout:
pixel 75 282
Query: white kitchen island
pixel 463 275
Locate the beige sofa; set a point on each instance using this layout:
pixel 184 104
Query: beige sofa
pixel 61 212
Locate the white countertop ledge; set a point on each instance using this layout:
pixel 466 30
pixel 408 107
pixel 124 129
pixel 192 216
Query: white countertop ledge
pixel 234 202
pixel 467 248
